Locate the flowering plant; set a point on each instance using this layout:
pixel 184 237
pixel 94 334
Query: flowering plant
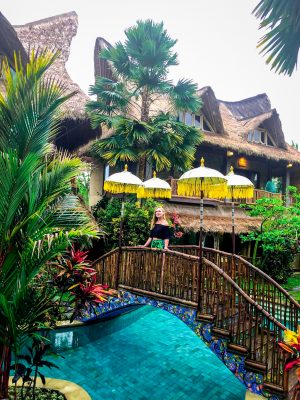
pixel 291 344
pixel 176 226
pixel 77 277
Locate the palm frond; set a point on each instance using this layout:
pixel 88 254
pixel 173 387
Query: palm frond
pixel 282 41
pixel 149 45
pixel 184 96
pixel 29 110
pixel 114 97
pixel 160 158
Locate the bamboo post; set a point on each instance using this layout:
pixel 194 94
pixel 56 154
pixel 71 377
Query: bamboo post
pixel 117 275
pixel 199 284
pixel 233 222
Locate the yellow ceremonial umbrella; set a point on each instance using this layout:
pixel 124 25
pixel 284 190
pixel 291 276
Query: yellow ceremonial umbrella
pixel 238 187
pixel 200 182
pixel 155 188
pixel 122 183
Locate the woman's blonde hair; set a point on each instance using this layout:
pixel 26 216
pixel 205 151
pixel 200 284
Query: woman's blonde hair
pixel 154 218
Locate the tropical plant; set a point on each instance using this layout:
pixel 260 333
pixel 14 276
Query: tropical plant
pixel 291 346
pixel 34 360
pixel 39 216
pixel 136 226
pixel 277 240
pixel 83 186
pixel 130 105
pixel 281 43
pixel 176 229
pixel 75 281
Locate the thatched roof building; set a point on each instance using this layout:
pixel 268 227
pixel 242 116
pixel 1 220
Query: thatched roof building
pixel 246 115
pixel 230 121
pixel 10 43
pixel 211 110
pixel 56 34
pixel 101 66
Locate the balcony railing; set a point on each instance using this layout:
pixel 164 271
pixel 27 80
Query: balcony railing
pixel 258 194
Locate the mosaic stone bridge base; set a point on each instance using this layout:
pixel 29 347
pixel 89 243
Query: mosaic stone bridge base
pixel 235 363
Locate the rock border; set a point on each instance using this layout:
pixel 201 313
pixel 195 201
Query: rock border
pixel 71 390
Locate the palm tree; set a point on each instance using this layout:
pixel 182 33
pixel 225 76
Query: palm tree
pixel 129 104
pixel 39 215
pixel 281 43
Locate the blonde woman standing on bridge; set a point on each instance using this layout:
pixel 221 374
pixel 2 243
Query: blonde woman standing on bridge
pixel 160 233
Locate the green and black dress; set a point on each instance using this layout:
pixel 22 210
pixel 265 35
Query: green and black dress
pixel 160 233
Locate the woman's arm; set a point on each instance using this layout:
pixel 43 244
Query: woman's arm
pixel 148 242
pixel 166 244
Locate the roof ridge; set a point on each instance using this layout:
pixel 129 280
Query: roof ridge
pixel 272 110
pixel 48 19
pixel 246 99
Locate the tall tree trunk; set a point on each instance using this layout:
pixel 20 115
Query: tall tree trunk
pixel 145 108
pixel 145 111
pixel 142 167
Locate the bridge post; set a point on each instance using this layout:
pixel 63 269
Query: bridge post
pixel 199 280
pixel 233 225
pixel 117 275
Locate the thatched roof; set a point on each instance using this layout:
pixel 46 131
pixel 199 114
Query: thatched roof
pixel 215 219
pixel 248 108
pixel 56 34
pixel 210 109
pixel 10 43
pixel 242 116
pixel 236 130
pixel 101 66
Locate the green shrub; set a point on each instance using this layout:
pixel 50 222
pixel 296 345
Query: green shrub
pixel 136 225
pixel 277 240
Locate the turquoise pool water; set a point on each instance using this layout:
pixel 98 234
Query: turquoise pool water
pixel 142 355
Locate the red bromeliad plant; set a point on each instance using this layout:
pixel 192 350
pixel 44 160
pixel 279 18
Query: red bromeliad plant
pixel 78 279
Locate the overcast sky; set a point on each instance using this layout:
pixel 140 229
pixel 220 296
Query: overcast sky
pixel 216 44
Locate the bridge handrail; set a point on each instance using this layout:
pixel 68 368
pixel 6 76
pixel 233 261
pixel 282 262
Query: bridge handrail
pixel 212 265
pixel 105 255
pixel 251 266
pixel 245 295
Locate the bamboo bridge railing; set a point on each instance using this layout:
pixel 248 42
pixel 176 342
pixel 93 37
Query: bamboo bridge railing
pixel 248 313
pixel 257 284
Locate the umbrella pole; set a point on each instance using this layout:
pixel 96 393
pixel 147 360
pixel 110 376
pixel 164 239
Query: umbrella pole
pixel 120 242
pixel 200 254
pixel 233 224
pixel 233 272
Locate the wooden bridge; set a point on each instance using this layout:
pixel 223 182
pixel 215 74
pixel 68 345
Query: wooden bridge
pixel 245 306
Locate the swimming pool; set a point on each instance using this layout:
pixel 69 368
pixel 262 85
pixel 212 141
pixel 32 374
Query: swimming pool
pixel 141 355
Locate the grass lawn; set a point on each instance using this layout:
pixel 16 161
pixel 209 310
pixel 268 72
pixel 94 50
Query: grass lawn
pixel 293 286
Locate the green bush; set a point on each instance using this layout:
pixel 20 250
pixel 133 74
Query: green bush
pixel 137 220
pixel 277 240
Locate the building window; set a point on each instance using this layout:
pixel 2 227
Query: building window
pixel 189 119
pixel 260 136
pixel 198 121
pixel 195 120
